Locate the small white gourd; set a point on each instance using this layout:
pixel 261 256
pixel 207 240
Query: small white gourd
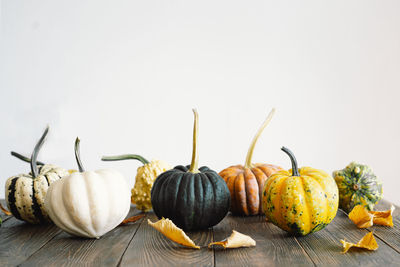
pixel 88 203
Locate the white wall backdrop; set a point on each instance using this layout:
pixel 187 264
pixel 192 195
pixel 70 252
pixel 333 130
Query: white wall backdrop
pixel 124 75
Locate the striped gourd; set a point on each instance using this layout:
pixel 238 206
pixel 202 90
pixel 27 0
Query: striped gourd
pixel 25 193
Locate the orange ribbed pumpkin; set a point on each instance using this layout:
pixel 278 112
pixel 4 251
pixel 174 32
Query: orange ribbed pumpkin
pixel 246 183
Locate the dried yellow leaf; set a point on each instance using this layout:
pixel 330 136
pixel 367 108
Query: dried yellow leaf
pixel 364 218
pixel 172 232
pixel 235 240
pixel 367 242
pixel 383 217
pixel 361 217
pixel 4 210
pixel 132 219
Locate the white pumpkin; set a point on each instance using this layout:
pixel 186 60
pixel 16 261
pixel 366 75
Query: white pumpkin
pixel 88 203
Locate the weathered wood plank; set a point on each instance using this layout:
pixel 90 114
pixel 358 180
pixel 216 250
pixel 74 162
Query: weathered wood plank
pixel 67 250
pixel 273 247
pixel 324 247
pixel 390 235
pixel 151 248
pixel 19 240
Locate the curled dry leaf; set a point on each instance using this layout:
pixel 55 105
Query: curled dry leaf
pixel 361 217
pixel 235 240
pixel 6 212
pixel 383 217
pixel 364 218
pixel 172 232
pixel 367 242
pixel 132 219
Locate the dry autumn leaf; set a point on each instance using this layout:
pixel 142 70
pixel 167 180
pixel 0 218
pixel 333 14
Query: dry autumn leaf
pixel 383 217
pixel 367 242
pixel 6 212
pixel 235 240
pixel 361 217
pixel 172 232
pixel 364 218
pixel 132 219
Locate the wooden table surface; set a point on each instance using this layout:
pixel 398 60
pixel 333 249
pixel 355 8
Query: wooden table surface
pixel 138 244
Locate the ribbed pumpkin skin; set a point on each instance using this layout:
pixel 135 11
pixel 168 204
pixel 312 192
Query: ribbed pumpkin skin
pixel 25 194
pixel 358 185
pixel 300 204
pixel 246 185
pixel 193 201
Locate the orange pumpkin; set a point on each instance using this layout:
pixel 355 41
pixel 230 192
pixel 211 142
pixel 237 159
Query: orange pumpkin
pixel 246 183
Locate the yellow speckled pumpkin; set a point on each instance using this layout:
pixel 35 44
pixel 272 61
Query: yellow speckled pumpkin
pixel 300 201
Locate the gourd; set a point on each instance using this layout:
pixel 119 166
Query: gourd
pixel 145 176
pixel 358 185
pixel 300 201
pixel 88 203
pixel 193 198
pixel 25 193
pixel 246 183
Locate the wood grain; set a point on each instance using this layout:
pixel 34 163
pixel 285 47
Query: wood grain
pixel 151 248
pixel 67 250
pixel 324 247
pixel 272 244
pixel 19 240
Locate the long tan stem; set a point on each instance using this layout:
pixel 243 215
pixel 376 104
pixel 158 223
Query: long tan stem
pixel 255 139
pixel 194 166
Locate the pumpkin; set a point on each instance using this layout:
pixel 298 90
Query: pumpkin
pixel 246 183
pixel 300 201
pixel 88 203
pixel 358 185
pixel 145 176
pixel 193 198
pixel 25 193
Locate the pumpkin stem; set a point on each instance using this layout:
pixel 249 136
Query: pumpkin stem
pixel 24 158
pixel 124 157
pixel 33 160
pixel 295 169
pixel 255 139
pixel 78 155
pixel 194 166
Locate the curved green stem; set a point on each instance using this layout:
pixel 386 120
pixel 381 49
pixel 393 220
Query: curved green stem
pixel 78 155
pixel 255 139
pixel 33 161
pixel 295 169
pixel 23 158
pixel 194 166
pixel 125 157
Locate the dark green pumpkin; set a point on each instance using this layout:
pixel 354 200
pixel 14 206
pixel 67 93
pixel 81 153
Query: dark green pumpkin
pixel 193 198
pixel 358 185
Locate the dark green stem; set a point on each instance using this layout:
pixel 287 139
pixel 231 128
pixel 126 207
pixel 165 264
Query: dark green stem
pixel 125 157
pixel 23 158
pixel 78 155
pixel 34 169
pixel 295 169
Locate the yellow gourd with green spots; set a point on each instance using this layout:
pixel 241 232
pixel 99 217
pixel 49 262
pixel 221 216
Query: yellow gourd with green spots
pixel 300 201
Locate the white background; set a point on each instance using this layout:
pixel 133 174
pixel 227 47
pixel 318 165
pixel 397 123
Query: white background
pixel 124 75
